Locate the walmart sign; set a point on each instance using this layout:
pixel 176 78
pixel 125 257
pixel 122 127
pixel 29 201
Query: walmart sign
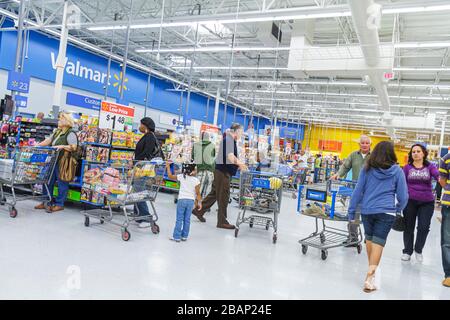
pixel 75 68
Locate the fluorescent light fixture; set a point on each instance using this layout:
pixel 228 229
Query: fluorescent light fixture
pixel 408 45
pixel 215 49
pixel 426 69
pixel 233 68
pixel 286 82
pixel 417 9
pixel 180 60
pixel 344 13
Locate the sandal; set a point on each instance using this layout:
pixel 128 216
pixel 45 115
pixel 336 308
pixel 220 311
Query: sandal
pixel 369 284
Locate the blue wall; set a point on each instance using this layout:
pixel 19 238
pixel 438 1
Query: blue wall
pixel 40 65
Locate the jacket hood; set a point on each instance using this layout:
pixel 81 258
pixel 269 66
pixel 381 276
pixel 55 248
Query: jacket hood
pixel 382 174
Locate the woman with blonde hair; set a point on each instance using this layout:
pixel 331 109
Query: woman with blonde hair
pixel 64 139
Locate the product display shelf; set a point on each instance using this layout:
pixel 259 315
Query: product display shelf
pixel 38 131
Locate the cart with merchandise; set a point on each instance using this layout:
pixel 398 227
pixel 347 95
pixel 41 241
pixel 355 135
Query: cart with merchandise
pixel 30 171
pixel 328 202
pixel 261 192
pixel 121 186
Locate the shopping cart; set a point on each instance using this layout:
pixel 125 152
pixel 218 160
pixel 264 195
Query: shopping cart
pixel 262 191
pixel 123 186
pixel 291 182
pixel 29 171
pixel 328 202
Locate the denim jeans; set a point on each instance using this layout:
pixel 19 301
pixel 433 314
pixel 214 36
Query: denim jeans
pixel 141 209
pixel 445 240
pixel 316 174
pixel 377 227
pixel 184 211
pixel 422 212
pixel 63 188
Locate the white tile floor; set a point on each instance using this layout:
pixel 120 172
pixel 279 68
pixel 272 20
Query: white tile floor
pixel 37 250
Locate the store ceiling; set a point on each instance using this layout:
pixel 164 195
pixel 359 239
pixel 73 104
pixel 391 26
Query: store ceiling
pixel 258 78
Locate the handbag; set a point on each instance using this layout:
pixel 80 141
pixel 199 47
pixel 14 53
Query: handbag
pixel 67 167
pixel 399 223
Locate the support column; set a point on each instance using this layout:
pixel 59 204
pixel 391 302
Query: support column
pixel 441 141
pixel 60 62
pixel 216 107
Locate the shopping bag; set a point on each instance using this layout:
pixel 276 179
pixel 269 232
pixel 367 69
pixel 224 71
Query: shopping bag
pixel 399 223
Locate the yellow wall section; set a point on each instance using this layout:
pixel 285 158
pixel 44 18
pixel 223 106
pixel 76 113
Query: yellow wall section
pixel 349 138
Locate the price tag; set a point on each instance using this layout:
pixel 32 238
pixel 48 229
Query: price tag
pixel 116 117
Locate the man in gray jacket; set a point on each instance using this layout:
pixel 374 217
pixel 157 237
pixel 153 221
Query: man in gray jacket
pixel 355 162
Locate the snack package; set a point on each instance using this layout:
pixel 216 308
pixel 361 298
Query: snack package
pixel 104 136
pixel 85 194
pixel 119 139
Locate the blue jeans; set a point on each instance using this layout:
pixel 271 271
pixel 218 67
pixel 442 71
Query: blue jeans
pixel 63 188
pixel 141 209
pixel 377 227
pixel 184 211
pixel 445 240
pixel 316 175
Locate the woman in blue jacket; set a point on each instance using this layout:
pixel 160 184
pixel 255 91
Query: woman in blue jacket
pixel 381 193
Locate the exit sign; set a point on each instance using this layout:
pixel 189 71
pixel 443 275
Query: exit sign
pixel 389 75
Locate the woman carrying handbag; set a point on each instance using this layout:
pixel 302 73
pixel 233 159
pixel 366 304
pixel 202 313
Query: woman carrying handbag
pixel 65 140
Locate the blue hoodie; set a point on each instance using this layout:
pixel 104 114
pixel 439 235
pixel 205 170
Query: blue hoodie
pixel 377 190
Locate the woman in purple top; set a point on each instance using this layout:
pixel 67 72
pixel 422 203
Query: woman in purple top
pixel 419 173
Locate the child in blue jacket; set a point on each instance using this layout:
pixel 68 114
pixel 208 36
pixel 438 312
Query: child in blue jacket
pixel 381 193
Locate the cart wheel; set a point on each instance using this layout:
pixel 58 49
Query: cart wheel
pixel 86 221
pixel 322 238
pixel 274 238
pixel 175 200
pixel 13 212
pixel 294 195
pixel 304 249
pixel 251 223
pixel 324 254
pixel 229 200
pixel 102 220
pixel 126 235
pixel 236 231
pixel 3 202
pixel 267 225
pixel 155 228
pixel 359 248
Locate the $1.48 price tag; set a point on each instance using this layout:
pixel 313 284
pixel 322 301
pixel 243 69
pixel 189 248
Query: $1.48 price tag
pixel 116 117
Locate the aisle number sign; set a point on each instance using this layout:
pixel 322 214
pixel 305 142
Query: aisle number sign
pixel 18 82
pixel 116 116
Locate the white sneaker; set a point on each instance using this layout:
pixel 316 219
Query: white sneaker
pixel 173 239
pixel 406 257
pixel 183 239
pixel 419 257
pixel 145 224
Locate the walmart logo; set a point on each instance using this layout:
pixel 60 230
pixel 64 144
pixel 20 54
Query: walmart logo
pixel 75 68
pixel 119 80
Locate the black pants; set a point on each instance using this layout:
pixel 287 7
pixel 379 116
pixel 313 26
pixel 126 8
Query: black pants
pixel 422 212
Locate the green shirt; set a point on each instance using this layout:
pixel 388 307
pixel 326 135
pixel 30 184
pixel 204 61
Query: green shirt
pixel 354 162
